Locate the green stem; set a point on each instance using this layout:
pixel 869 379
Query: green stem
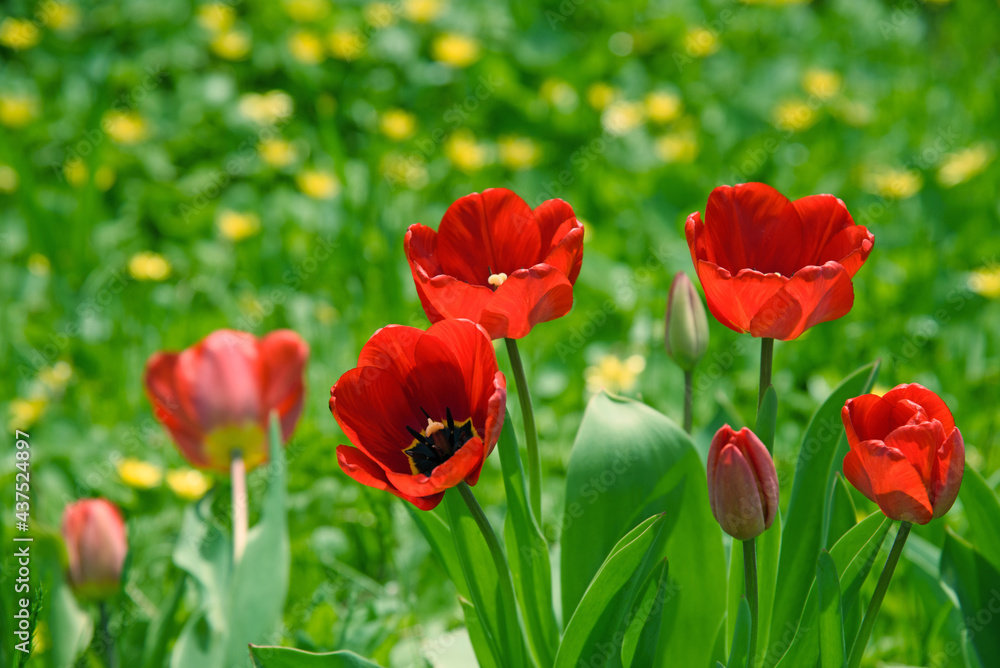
pixel 750 580
pixel 873 606
pixel 238 477
pixel 766 361
pixel 530 433
pixel 688 398
pixel 107 642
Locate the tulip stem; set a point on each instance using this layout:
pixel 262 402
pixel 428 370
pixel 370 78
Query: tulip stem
pixel 766 361
pixel 530 433
pixel 688 397
pixel 107 641
pixel 238 475
pixel 873 606
pixel 750 580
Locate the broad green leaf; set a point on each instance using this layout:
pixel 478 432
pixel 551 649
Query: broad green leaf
pixel 831 619
pixel 435 530
pixel 982 509
pixel 740 651
pixel 767 417
pixel 797 563
pixel 477 635
pixel 161 628
pixel 617 570
pixel 842 513
pixel 629 457
pixel 71 628
pixel 768 549
pixel 528 553
pixel 643 632
pixel 285 657
pixel 977 583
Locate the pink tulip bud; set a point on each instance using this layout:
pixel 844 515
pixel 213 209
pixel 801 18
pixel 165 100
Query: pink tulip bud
pixel 94 532
pixel 742 483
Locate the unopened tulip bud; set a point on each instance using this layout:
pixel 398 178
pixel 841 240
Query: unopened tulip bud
pixel 742 483
pixel 94 532
pixel 686 336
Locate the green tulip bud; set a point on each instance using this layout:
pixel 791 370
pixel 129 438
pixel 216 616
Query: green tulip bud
pixel 686 337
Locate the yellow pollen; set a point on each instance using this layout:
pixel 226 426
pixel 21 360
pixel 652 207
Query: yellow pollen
pixel 432 427
pixel 497 280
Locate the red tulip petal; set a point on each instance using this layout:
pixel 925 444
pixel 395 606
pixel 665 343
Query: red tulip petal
pixel 813 295
pixel 856 475
pixel 474 358
pixel 495 409
pixel 919 443
pixel 741 224
pixel 763 467
pixel 218 380
pixel 567 256
pixel 897 487
pixel 463 465
pixel 356 464
pixel 439 383
pixel 283 356
pixel 391 348
pixel 849 247
pixel 486 233
pixel 735 300
pixel 160 377
pixel 949 467
pixel 867 418
pixel 421 249
pixel 932 404
pixel 820 218
pixel 555 218
pixel 444 297
pixel 737 504
pixel 527 297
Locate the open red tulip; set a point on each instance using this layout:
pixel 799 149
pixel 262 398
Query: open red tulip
pixel 906 454
pixel 498 263
pixel 742 483
pixel 422 409
pixel 216 397
pixel 94 533
pixel 773 267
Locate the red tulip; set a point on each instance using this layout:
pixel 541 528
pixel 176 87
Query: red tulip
pixel 215 397
pixel 498 263
pixel 906 454
pixel 423 409
pixel 773 267
pixel 742 483
pixel 94 533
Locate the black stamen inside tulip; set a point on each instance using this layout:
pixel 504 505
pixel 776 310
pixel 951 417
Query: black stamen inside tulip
pixel 438 441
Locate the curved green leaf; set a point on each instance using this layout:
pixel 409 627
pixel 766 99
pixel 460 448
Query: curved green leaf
pixel 977 583
pixel 831 619
pixel 982 509
pixel 768 549
pixel 264 656
pixel 767 418
pixel 741 636
pixel 643 632
pixel 842 513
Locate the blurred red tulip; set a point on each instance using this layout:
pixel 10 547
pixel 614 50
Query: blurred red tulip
pixel 215 397
pixel 94 533
pixel 773 267
pixel 906 454
pixel 423 409
pixel 498 263
pixel 742 483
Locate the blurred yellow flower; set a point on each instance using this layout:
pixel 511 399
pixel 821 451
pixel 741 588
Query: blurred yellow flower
pixel 823 84
pixel 19 34
pixel 854 113
pixel 600 95
pixel 960 166
pixel 139 474
pixel 56 377
pixel 681 147
pixel 60 16
pixel 986 282
pixel 216 17
pixel 400 169
pixel 39 265
pixel 277 153
pixel 465 152
pixel 794 116
pixel 894 183
pixel 237 226
pixel 663 106
pixel 455 50
pixel 422 11
pixel 518 152
pixel 622 116
pixel 232 44
pixel 104 178
pixel 22 413
pixel 346 44
pixel 380 14
pixel 17 109
pixel 307 10
pixel 700 42
pixel 267 108
pixel 76 172
pixel 8 179
pixel 318 184
pixel 125 127
pixel 613 374
pixel 397 124
pixel 188 484
pixel 306 47
pixel 148 266
pixel 559 94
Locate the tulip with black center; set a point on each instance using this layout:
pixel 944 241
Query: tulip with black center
pixel 438 442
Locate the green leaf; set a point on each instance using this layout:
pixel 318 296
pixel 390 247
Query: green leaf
pixel 768 549
pixel 528 553
pixel 977 583
pixel 435 530
pixel 831 620
pixel 735 592
pixel 285 657
pixel 643 632
pixel 797 563
pixel 982 509
pixel 71 628
pixel 162 626
pixel 617 570
pixel 842 513
pixel 628 456
pixel 767 418
pixel 741 636
pixel 477 635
